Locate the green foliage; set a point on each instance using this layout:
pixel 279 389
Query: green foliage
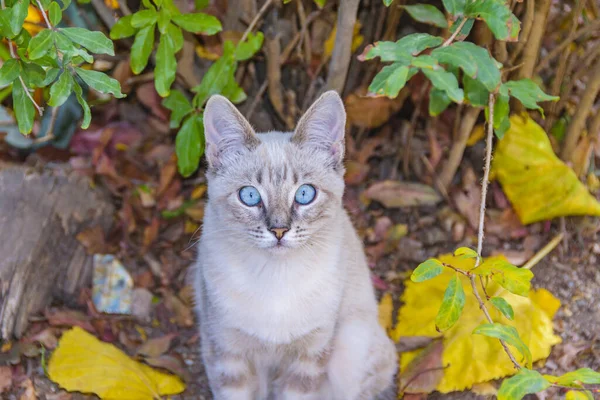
pixel 427 270
pixel 481 73
pixel 465 252
pixel 522 384
pixel 166 17
pixel 583 376
pixel 502 305
pixel 51 60
pixel 219 79
pixel 509 334
pixel 427 14
pixel 514 279
pixel 452 305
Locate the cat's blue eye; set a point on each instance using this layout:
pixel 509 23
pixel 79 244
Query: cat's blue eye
pixel 249 196
pixel 305 194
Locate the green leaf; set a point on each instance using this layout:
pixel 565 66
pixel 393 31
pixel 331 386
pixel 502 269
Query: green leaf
pixel 496 15
pixel 387 3
pixel 465 30
pixel 5 18
pixel 425 61
pixel 174 32
pixel 427 270
pixel 427 14
pixel 65 4
pixel 9 71
pixel 87 114
pixel 23 107
pixel 217 77
pixel 455 7
pixel 475 93
pixel 54 13
pixel 61 89
pixel 507 333
pixel 233 91
pixel 465 252
pixel 40 44
pixel 390 80
pixel 32 74
pixel 400 51
pixel 528 93
pixel 189 145
pixel 179 106
pixel 320 3
pixel 445 81
pixel 246 49
pixel 51 75
pixel 514 279
pixel 576 395
pixel 438 102
pixel 19 13
pixel 122 29
pixel 582 376
pixel 501 111
pixel 452 305
pixel 100 81
pixel 502 305
pixel 95 41
pixel 523 383
pixel 166 66
pixel 164 18
pixel 148 5
pixel 198 23
pixel 475 61
pixel 144 18
pixel 141 49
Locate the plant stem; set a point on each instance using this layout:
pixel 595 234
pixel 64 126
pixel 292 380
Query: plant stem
pixel 258 16
pixel 38 108
pixel 41 7
pixel 449 41
pixel 480 230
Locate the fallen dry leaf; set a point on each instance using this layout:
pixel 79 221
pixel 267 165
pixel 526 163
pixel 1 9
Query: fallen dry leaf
pixel 47 338
pixel 410 343
pixel 396 194
pixel 425 371
pixel 69 318
pixel 156 347
pixel 533 321
pixel 83 363
pixel 29 393
pixel 371 112
pixel 171 364
pixel 92 239
pixel 537 183
pixel 183 313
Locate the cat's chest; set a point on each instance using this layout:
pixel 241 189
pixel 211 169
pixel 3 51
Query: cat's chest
pixel 280 302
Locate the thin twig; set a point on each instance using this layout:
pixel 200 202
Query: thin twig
pixel 558 50
pixel 50 131
pixel 480 230
pixel 257 17
pixel 39 109
pixel 411 132
pixel 41 7
pixel 257 98
pixel 449 41
pixel 543 252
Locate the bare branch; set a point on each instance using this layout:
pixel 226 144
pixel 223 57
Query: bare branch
pixel 342 51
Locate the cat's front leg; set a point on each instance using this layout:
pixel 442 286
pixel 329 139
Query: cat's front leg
pixel 230 377
pixel 305 379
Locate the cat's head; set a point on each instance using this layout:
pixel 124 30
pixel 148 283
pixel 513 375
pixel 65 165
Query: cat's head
pixel 276 191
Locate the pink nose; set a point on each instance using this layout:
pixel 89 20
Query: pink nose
pixel 279 232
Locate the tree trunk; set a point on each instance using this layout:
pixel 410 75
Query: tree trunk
pixel 41 212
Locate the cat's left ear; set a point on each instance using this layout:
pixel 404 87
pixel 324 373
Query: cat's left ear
pixel 323 126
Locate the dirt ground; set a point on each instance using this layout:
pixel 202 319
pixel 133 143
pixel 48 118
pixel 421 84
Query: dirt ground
pixel 571 274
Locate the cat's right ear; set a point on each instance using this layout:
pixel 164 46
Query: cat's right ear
pixel 226 130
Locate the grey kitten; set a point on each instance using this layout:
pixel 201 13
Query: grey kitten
pixel 286 305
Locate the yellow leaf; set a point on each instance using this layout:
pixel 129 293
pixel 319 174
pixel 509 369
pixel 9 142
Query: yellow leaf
pixel 33 21
pixel 114 4
pixel 386 307
pixel 474 359
pixel 83 363
pixel 203 52
pixel 537 183
pixel 476 135
pixel 357 40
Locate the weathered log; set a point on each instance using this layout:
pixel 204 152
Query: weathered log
pixel 41 212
